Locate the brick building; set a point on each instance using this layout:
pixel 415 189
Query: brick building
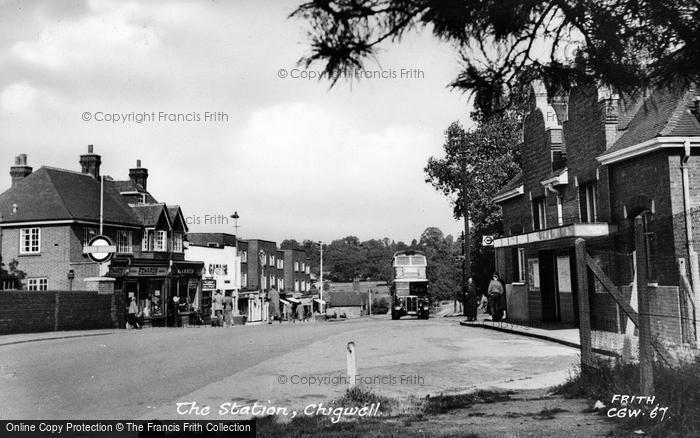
pixel 592 162
pixel 49 215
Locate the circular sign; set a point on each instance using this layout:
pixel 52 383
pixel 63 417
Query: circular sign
pixel 96 254
pixel 487 240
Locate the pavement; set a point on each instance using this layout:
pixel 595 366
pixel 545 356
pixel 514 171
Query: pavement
pixel 553 333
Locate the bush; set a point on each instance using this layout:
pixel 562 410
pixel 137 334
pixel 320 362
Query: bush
pixel 380 306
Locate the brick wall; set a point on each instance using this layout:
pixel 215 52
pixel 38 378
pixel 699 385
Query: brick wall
pixel 29 311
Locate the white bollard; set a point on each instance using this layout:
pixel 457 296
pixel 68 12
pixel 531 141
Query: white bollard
pixel 352 365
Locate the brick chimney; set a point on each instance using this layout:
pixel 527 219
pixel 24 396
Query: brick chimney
pixel 90 163
pixel 139 175
pixel 609 103
pixel 20 170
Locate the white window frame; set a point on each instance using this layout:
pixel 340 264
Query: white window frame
pixel 38 284
pixel 177 242
pixel 296 266
pixel 160 242
pixel 244 256
pixel 281 283
pixel 30 240
pixel 244 279
pixel 124 242
pixel 591 195
pixel 522 265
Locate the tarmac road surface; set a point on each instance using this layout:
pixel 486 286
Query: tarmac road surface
pixel 145 373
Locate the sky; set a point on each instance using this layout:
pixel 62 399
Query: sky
pixel 295 158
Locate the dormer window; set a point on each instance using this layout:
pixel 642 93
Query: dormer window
pixel 177 242
pixel 161 242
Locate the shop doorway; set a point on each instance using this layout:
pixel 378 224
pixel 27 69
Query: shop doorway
pixel 548 286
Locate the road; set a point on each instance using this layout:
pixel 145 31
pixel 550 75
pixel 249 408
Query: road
pixel 143 374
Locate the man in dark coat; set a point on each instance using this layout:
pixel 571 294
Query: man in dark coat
pixel 470 301
pixel 495 291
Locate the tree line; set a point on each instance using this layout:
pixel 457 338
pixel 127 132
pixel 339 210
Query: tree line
pixel 349 259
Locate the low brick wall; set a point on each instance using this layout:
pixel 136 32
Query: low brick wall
pixel 31 311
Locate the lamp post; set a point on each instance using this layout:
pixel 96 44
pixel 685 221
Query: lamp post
pixel 236 265
pixel 320 245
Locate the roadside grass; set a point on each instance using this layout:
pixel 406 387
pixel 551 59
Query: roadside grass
pixel 677 387
pixel 397 418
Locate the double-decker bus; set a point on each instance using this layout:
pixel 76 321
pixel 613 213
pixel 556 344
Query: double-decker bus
pixel 409 291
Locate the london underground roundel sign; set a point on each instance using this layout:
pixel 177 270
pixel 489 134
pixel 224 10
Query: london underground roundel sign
pixel 100 249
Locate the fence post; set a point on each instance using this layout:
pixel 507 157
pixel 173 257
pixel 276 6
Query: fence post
pixel 646 371
pixel 584 311
pixel 352 365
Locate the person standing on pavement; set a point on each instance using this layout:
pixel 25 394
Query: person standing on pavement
pixel 495 291
pixel 218 307
pixel 228 309
pixel 132 320
pixel 274 305
pixel 470 301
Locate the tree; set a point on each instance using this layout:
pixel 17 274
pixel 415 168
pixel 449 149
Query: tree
pixel 11 274
pixel 290 244
pixel 486 158
pixel 442 272
pixel 627 44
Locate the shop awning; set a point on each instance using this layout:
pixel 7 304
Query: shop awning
pixel 293 300
pixel 285 302
pixel 321 302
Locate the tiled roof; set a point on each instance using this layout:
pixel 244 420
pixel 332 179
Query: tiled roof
pixel 58 194
pixel 664 113
pixel 131 186
pixel 149 215
pixel 516 182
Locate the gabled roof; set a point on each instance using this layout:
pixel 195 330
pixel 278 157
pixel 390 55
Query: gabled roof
pixel 51 194
pixel 175 214
pixel 664 113
pixel 149 215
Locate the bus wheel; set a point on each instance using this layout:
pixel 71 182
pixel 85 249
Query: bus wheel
pixel 395 315
pixel 424 316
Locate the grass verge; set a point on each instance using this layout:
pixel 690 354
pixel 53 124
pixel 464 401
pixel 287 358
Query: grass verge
pixel 677 388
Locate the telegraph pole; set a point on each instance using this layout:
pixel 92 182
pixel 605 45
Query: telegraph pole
pixel 466 240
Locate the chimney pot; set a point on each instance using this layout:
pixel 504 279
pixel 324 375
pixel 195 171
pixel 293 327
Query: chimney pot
pixel 138 163
pixel 20 170
pixel 90 163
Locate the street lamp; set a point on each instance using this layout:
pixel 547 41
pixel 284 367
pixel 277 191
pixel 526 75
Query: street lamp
pixel 237 266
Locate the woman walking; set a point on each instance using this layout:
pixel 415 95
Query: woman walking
pixel 470 301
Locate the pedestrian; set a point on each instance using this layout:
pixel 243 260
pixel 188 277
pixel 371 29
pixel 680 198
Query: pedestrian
pixel 274 306
pixel 228 309
pixel 470 301
pixel 132 319
pixel 218 307
pixel 300 312
pixel 495 291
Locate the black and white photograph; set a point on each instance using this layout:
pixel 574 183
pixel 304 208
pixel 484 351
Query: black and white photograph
pixel 350 218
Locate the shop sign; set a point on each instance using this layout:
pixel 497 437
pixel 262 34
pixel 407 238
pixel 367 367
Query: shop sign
pixel 218 269
pixel 185 271
pixel 147 271
pixel 208 284
pixel 118 271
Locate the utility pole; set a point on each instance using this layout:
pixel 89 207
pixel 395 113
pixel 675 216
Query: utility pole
pixel 466 240
pixel 320 307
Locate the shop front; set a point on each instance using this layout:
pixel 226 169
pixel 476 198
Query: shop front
pixel 161 293
pixel 252 305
